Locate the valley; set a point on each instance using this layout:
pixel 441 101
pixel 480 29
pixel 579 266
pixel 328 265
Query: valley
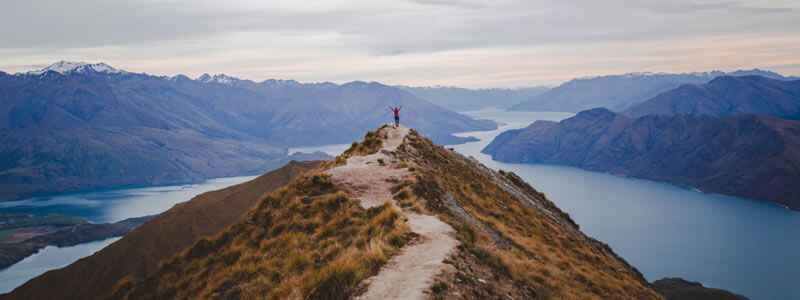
pixel 664 217
pixel 63 128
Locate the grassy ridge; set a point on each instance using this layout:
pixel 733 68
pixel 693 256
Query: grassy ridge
pixel 531 248
pixel 307 240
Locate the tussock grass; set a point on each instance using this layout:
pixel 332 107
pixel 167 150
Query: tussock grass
pixel 546 252
pixel 310 241
pixel 305 241
pixel 371 143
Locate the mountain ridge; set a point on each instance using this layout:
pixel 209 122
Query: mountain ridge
pixel 65 132
pixel 742 155
pixel 463 99
pixel 67 67
pixel 727 95
pixel 513 241
pixel 620 92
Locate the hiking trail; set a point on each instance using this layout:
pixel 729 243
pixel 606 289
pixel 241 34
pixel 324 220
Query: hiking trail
pixel 409 274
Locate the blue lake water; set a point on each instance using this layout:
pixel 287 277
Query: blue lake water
pixel 749 247
pixel 118 204
pixel 97 207
pixel 47 259
pixel 746 246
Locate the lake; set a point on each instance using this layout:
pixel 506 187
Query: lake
pixel 745 246
pixel 49 258
pixel 98 207
pixel 118 204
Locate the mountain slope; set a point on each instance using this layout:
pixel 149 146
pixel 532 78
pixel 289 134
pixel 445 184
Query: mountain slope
pixel 138 254
pixel 726 96
pixel 461 99
pixel 315 114
pixel 77 126
pixel 619 92
pixel 330 234
pixel 744 155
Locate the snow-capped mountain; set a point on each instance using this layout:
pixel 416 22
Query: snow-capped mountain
pixel 67 67
pixel 219 78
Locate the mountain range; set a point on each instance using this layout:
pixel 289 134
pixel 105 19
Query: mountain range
pixel 77 126
pixel 726 96
pixel 742 155
pixel 462 99
pixel 620 92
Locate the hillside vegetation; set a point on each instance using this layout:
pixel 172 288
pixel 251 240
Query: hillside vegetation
pixel 139 253
pixel 318 238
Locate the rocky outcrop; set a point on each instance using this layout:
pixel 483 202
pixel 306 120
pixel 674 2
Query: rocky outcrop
pixel 744 155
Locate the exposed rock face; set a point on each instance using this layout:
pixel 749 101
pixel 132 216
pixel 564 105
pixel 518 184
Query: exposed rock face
pixel 726 96
pixel 679 289
pixel 744 155
pixel 139 253
pixel 91 129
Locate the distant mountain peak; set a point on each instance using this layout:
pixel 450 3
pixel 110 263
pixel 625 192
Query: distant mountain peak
pixel 708 74
pixel 218 78
pixel 179 77
pixel 68 67
pixel 280 82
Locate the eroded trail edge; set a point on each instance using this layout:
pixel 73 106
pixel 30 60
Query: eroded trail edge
pixel 369 179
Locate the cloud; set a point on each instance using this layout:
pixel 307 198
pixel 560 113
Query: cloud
pixel 312 39
pixel 740 7
pixel 452 3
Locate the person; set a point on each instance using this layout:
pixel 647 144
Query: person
pixel 396 112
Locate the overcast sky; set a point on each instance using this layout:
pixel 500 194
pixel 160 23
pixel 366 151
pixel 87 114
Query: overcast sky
pixel 490 43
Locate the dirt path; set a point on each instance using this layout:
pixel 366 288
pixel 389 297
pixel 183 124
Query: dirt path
pixel 409 274
pixel 369 180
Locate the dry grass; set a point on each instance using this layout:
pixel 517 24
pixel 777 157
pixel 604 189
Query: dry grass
pixel 305 241
pixel 371 144
pixel 310 241
pixel 546 254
